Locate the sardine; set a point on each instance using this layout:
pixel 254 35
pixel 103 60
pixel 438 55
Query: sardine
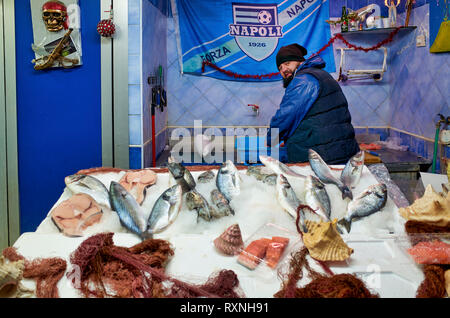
pixel 372 200
pixel 278 167
pixel 205 177
pixel 165 210
pixel 323 172
pixel 195 201
pixel 352 171
pixel 317 198
pixel 130 212
pixel 181 175
pixel 222 204
pixel 228 180
pixel 80 183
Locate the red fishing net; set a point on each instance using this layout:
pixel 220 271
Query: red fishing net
pixel 321 286
pixel 46 271
pixel 433 286
pixel 102 269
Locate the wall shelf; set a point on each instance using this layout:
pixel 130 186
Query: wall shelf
pixel 379 30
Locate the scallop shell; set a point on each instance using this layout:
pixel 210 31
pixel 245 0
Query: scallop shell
pixel 230 241
pixel 432 208
pixel 10 277
pixel 324 242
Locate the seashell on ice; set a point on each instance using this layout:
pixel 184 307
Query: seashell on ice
pixel 230 241
pixel 432 208
pixel 10 277
pixel 324 242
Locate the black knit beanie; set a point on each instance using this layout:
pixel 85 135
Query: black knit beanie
pixel 291 52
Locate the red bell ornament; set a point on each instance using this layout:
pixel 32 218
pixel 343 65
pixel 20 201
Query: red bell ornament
pixel 106 28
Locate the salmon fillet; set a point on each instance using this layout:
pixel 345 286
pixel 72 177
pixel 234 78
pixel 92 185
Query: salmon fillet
pixel 252 255
pixel 275 250
pixel 434 252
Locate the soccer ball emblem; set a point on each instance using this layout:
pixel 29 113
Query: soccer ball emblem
pixel 264 17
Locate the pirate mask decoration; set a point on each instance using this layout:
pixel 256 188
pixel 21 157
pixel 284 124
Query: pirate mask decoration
pixel 54 14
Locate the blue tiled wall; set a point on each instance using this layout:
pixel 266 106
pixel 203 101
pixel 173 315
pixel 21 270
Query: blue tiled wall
pixel 147 37
pixel 134 83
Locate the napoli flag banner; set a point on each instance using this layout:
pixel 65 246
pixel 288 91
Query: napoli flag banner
pixel 244 37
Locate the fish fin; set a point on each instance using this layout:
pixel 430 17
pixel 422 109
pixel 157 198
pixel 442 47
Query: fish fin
pixel 146 235
pixel 145 193
pixel 346 224
pixel 339 229
pixel 346 193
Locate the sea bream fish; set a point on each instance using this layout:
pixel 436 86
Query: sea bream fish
pixel 316 197
pixel 181 175
pixel 80 183
pixel 323 172
pixel 278 167
pixel 228 180
pixel 372 200
pixel 290 203
pixel 165 210
pixel 351 174
pixel 130 212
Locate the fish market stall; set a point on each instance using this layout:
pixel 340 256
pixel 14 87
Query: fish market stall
pixel 240 219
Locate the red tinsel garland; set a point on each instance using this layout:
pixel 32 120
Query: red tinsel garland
pixel 331 41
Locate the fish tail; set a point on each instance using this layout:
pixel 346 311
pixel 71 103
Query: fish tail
pixel 346 193
pixel 146 235
pixel 347 224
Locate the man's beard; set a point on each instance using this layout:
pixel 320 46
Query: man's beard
pixel 287 80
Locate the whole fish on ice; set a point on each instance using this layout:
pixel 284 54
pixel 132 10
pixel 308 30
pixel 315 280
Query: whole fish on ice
pixel 181 175
pixel 222 204
pixel 228 180
pixel 290 203
pixel 351 174
pixel 317 198
pixel 195 201
pixel 165 210
pixel 278 167
pixel 372 200
pixel 80 183
pixel 130 212
pixel 323 172
pixel 206 177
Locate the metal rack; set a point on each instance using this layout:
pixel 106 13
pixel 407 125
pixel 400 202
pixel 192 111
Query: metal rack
pixel 376 74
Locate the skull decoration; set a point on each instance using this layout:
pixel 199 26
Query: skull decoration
pixel 54 14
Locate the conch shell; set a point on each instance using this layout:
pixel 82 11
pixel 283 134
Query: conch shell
pixel 10 277
pixel 137 182
pixel 432 208
pixel 324 242
pixel 230 241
